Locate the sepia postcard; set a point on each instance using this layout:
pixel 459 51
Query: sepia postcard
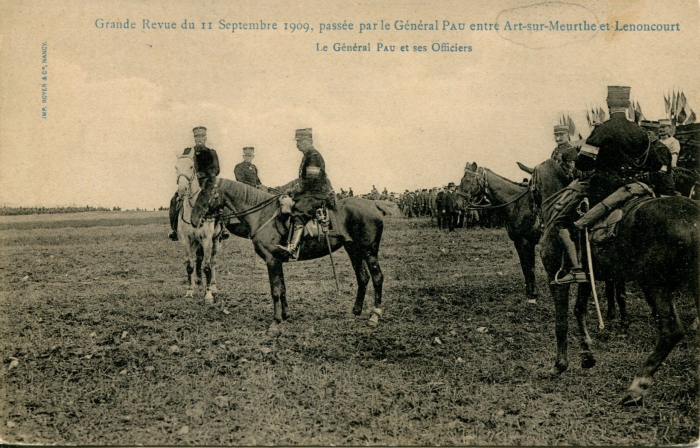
pixel 109 339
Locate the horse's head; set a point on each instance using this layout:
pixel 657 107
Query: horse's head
pixel 186 176
pixel 473 183
pixel 548 178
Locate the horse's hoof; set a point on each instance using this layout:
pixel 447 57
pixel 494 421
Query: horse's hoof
pixel 273 330
pixel 214 289
pixel 588 362
pixel 629 400
pixel 357 311
pixel 209 299
pixel 557 369
pixel 189 294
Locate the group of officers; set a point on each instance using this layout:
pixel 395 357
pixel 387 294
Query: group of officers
pixel 619 160
pixel 312 191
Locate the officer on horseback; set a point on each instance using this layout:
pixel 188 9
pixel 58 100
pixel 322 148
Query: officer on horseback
pixel 206 164
pixel 610 161
pixel 564 153
pixel 616 150
pixel 668 140
pixel 245 171
pixel 313 191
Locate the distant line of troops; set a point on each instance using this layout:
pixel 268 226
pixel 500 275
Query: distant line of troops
pixel 444 205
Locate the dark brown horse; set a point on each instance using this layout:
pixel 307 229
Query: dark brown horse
pixel 616 293
pixel 360 224
pixel 657 245
pixel 516 202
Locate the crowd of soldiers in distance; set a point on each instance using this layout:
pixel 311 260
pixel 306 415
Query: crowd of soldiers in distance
pixel 445 208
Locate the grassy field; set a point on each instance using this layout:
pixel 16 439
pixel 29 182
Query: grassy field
pixel 99 347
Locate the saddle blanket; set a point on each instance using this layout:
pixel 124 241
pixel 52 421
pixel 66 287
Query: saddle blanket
pixel 607 228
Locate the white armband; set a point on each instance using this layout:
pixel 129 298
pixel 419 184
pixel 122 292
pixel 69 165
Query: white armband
pixel 590 151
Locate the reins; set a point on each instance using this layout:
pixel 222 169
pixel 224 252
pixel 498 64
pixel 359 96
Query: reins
pixel 482 184
pixel 253 209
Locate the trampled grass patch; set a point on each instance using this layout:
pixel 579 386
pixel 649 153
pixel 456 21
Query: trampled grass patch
pixel 99 347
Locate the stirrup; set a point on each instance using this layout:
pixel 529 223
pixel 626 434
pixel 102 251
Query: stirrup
pixel 577 276
pixel 224 234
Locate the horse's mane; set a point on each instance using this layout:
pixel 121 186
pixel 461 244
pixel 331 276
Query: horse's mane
pixel 244 192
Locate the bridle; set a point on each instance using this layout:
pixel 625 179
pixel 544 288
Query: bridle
pixel 191 194
pixel 482 186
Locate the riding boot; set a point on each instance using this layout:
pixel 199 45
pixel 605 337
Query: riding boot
pixel 293 248
pixel 576 274
pixel 592 216
pixel 173 212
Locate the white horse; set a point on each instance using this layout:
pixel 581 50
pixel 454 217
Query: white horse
pixel 201 242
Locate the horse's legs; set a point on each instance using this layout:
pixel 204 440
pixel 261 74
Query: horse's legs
pixel 526 253
pixel 580 311
pixel 670 332
pixel 377 281
pixel 214 250
pixel 621 298
pixel 199 257
pixel 190 281
pixel 277 288
pixel 560 294
pixel 207 250
pixel 361 274
pixel 192 261
pixel 610 292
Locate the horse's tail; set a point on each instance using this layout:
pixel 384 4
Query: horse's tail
pixel 387 208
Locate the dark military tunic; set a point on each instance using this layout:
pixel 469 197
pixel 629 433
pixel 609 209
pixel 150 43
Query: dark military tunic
pixel 247 173
pixel 657 169
pixel 620 143
pixel 564 153
pixel 314 186
pixel 206 162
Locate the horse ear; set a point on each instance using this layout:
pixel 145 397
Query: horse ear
pixel 474 167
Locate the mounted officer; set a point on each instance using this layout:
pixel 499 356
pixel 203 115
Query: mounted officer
pixel 615 151
pixel 564 153
pixel 245 171
pixel 671 142
pixel 206 165
pixel 313 191
pixel 657 164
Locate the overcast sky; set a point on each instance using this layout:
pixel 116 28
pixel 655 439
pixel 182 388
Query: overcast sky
pixel 121 104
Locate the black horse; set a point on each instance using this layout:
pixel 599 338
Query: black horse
pixel 657 245
pixel 359 225
pixel 516 202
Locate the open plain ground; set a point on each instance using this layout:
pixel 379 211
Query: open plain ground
pixel 98 346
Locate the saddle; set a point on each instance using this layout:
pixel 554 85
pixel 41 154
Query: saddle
pixel 325 221
pixel 607 227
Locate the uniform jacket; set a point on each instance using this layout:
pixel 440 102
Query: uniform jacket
pixel 206 162
pixel 312 175
pixel 440 201
pixel 247 173
pixel 619 142
pixel 564 153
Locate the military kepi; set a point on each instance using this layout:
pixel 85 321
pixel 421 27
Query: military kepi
pixel 248 151
pixel 561 129
pixel 618 96
pixel 199 130
pixel 648 124
pixel 665 122
pixel 302 133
